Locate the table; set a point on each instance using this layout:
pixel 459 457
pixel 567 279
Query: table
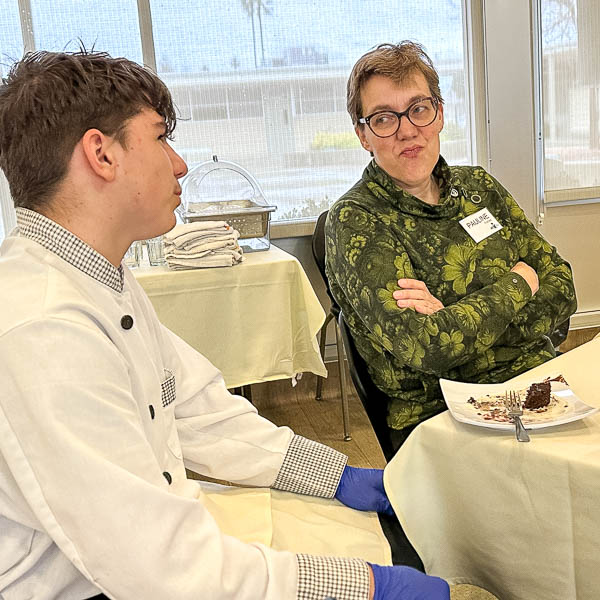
pixel 256 321
pixel 518 519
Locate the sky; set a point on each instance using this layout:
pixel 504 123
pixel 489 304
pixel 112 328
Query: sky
pixel 216 35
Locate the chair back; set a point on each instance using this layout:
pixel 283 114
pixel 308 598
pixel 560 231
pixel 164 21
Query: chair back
pixel 318 251
pixel 374 401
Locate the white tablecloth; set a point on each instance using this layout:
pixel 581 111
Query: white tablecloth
pixel 256 321
pixel 300 524
pixel 519 519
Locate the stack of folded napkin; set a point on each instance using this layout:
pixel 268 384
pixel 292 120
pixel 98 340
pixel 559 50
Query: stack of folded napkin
pixel 202 244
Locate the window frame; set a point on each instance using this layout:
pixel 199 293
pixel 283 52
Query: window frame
pixel 565 196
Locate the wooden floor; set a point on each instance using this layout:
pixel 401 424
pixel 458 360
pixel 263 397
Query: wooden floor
pixel 577 337
pixel 320 420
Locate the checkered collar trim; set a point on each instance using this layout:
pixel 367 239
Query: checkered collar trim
pixel 69 247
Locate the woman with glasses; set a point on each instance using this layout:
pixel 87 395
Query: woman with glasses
pixel 436 267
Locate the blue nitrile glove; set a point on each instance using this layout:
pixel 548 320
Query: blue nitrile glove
pixel 363 489
pixel 406 583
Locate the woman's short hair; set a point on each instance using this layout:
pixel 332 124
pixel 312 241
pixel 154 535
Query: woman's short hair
pixel 398 62
pixel 50 99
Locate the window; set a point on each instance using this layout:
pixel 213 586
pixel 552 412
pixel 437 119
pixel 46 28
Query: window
pixel 262 82
pixel 516 154
pixel 571 120
pixel 110 26
pixel 264 86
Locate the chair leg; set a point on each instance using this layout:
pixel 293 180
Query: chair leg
pixel 322 338
pixel 342 371
pixel 247 392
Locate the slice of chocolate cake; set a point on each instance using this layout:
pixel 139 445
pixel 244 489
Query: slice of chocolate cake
pixel 538 395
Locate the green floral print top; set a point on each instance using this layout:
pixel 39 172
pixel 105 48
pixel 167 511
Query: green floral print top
pixel 491 327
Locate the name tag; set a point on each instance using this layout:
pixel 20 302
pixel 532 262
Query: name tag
pixel 480 225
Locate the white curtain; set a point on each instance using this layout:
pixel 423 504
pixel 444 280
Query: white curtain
pixel 571 99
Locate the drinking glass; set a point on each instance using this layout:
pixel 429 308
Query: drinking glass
pixel 133 255
pixel 156 253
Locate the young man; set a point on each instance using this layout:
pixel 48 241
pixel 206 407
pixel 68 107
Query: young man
pixel 100 404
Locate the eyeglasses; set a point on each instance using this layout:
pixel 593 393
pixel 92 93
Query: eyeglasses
pixel 385 123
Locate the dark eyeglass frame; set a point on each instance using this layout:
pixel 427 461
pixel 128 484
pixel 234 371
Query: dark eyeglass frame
pixel 404 113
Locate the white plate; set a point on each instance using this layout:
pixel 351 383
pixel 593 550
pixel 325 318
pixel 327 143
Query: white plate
pixel 457 394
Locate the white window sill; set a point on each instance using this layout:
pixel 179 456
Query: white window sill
pixel 288 229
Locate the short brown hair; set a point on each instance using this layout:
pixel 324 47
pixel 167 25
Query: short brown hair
pixel 396 61
pixel 50 99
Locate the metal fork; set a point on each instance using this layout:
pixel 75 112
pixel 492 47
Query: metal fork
pixel 512 401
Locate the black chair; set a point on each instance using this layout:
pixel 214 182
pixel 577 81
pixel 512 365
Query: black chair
pixel 375 405
pixel 318 250
pixel 374 401
pixel 559 335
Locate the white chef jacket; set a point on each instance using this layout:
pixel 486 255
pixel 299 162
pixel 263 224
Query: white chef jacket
pixel 100 409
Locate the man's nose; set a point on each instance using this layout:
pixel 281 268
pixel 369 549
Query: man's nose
pixel 179 165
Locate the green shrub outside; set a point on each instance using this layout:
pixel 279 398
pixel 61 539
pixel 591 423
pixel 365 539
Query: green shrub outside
pixel 325 140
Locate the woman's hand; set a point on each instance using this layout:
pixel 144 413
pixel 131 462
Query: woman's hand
pixel 414 294
pixel 528 274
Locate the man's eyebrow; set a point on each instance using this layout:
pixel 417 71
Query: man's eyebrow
pixel 160 125
pixel 411 100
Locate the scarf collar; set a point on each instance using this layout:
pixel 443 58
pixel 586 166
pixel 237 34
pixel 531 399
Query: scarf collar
pixel 382 185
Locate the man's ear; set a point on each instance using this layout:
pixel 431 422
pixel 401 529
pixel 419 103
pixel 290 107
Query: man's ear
pixel 360 132
pixel 99 151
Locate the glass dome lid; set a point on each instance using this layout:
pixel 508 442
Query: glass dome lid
pixel 219 187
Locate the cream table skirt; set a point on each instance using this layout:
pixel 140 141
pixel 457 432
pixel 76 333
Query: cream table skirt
pixel 305 524
pixel 256 321
pixel 521 520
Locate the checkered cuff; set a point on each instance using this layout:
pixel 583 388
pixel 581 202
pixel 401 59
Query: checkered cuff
pixel 310 468
pixel 321 577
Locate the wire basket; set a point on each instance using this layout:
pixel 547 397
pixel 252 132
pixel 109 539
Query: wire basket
pixel 223 191
pixel 249 218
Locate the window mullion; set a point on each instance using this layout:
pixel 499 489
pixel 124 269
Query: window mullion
pixel 538 107
pixel 146 33
pixel 26 25
pixel 6 208
pixel 474 44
